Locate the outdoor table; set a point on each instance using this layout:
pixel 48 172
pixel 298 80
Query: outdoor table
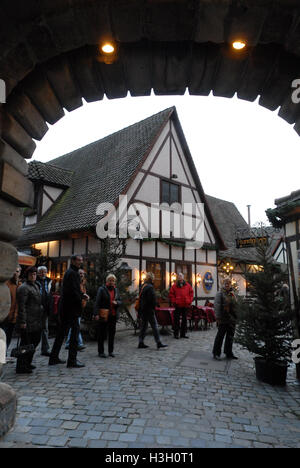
pixel 165 317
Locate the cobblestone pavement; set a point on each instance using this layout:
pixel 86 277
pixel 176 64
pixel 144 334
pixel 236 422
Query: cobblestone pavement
pixel 149 398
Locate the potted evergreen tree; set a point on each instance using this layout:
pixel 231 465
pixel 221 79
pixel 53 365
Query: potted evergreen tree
pixel 265 325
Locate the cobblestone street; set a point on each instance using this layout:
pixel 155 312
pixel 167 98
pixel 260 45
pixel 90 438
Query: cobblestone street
pixel 150 398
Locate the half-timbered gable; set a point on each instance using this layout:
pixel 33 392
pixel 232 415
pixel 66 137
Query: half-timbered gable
pixel 149 163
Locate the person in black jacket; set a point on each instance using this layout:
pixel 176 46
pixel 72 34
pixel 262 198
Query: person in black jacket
pixel 44 284
pixel 70 308
pixel 147 312
pixel 29 319
pixel 108 298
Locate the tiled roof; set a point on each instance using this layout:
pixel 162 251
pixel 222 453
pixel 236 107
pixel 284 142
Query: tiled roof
pixel 101 172
pixel 228 219
pixel 49 174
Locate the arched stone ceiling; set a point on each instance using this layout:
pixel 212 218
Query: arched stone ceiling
pixel 49 57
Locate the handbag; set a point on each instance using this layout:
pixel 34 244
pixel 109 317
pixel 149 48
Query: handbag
pixel 22 350
pixel 103 314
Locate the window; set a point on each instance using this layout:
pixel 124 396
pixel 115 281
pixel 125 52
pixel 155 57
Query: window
pixel 170 193
pixel 158 269
pixel 186 269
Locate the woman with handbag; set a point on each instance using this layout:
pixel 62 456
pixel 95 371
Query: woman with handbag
pixel 106 313
pixel 29 321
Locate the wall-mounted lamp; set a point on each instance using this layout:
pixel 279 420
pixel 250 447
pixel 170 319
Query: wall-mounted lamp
pixel 173 277
pixel 143 276
pixel 239 45
pixel 174 176
pixel 108 52
pixel 198 279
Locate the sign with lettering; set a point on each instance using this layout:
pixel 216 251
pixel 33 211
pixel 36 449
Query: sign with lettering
pixel 251 242
pixel 208 282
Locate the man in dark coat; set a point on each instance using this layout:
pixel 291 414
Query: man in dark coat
pixel 225 309
pixel 70 309
pixel 147 312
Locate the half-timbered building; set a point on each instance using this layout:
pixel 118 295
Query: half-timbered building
pixel 150 163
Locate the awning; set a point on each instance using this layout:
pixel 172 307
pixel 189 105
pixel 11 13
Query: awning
pixel 25 259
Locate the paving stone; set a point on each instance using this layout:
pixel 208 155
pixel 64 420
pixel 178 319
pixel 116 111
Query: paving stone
pixel 78 443
pixel 117 404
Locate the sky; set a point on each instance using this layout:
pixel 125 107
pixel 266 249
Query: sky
pixel 243 152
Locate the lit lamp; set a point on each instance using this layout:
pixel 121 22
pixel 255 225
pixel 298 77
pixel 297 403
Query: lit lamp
pixel 173 277
pixel 228 268
pixel 198 279
pixel 143 276
pixel 108 52
pixel 239 45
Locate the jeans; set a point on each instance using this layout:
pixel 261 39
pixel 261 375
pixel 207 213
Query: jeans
pixel 149 316
pixel 80 340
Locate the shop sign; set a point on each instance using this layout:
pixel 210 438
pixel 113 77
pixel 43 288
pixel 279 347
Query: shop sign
pixel 208 282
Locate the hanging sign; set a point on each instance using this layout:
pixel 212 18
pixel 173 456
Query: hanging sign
pixel 251 242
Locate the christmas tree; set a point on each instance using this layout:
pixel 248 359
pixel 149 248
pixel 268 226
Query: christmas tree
pixel 265 321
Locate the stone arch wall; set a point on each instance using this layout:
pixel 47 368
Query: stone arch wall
pixel 49 60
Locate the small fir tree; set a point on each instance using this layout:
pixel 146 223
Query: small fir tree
pixel 265 325
pixel 108 260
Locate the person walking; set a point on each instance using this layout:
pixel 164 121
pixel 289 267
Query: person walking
pixel 70 308
pixel 10 322
pixel 44 284
pixel 225 310
pixel 108 299
pixel 181 296
pixel 29 318
pixel 147 312
pixel 80 345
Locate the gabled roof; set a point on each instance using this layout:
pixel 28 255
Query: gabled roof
pixel 228 219
pixel 101 172
pixel 48 174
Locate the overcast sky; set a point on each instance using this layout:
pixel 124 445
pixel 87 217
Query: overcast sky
pixel 243 152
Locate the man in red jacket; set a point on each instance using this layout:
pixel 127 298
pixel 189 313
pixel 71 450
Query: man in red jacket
pixel 181 296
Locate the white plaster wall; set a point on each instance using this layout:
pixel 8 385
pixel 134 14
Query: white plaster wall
pixel 46 204
pixel 212 256
pixel 291 229
pixel 176 253
pixel 148 249
pixel 29 220
pixel 189 255
pixel 53 191
pixel 162 164
pixel 177 167
pixel 150 190
pixel 94 245
pixel 187 170
pixel 162 250
pixel 80 246
pixel 201 255
pixel 66 247
pixel 156 146
pixel 54 249
pixel 132 247
pixel 43 247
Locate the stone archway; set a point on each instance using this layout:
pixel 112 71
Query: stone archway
pixel 49 60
